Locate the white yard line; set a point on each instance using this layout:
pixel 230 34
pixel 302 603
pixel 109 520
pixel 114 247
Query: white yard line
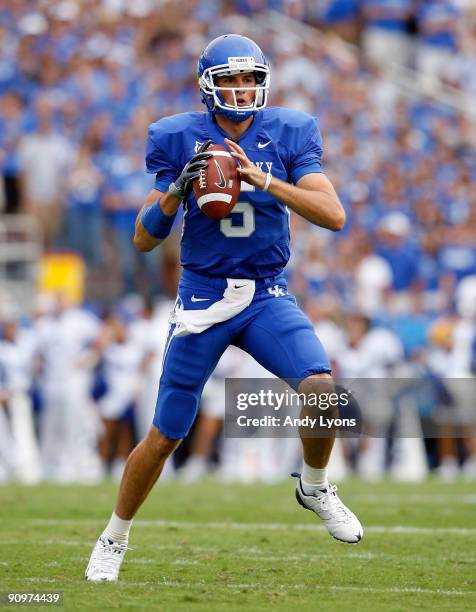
pixel 264 554
pixel 283 587
pixel 216 525
pixel 415 498
pixel 244 553
pixel 268 556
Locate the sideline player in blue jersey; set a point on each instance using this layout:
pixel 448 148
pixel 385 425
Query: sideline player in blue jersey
pixel 232 290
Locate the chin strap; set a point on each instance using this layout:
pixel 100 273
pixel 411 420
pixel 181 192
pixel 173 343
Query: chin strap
pixel 233 115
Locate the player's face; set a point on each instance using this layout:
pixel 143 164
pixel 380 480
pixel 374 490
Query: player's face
pixel 239 82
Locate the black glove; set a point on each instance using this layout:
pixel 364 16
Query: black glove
pixel 182 186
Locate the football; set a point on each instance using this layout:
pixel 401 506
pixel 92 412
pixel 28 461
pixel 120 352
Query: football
pixel 218 186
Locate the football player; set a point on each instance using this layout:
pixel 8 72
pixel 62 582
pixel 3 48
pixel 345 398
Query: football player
pixel 235 265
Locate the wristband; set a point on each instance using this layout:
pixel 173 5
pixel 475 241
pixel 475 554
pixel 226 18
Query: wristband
pixel 267 182
pixel 156 222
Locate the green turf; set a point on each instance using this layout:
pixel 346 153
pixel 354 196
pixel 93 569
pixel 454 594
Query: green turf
pixel 217 547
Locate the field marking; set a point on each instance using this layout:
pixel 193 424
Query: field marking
pixel 395 529
pixel 368 556
pixel 282 587
pixel 416 498
pixel 245 553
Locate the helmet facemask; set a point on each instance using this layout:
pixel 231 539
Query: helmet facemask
pixel 211 93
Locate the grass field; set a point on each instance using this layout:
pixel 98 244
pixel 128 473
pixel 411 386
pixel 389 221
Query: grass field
pixel 214 547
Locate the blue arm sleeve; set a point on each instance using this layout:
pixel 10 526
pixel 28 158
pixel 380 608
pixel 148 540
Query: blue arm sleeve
pixel 158 158
pixel 156 222
pixel 306 153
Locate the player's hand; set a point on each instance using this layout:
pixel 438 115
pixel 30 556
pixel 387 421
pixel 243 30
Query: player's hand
pixel 248 171
pixel 182 186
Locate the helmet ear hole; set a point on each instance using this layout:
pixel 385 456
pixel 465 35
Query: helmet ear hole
pixel 260 77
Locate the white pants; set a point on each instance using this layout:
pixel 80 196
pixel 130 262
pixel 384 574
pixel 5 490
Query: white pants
pixel 69 430
pixel 18 444
pixel 7 447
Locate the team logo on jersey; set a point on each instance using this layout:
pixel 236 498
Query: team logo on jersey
pixel 265 166
pixel 277 291
pixel 260 164
pixel 222 183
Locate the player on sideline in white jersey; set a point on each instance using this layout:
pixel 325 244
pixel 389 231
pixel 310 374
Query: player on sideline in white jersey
pixel 252 245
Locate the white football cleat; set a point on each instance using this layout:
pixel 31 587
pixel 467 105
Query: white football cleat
pixel 339 521
pixel 105 561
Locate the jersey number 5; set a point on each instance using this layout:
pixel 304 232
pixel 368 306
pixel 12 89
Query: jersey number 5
pixel 247 225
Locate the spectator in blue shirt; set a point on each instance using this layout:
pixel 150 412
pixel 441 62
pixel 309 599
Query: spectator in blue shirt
pixel 341 16
pixel 83 217
pixel 437 22
pixel 13 124
pixel 395 247
pixel 126 182
pixel 385 33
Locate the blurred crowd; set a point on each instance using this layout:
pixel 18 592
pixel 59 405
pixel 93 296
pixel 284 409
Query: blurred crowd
pixel 78 391
pixel 436 37
pixel 80 81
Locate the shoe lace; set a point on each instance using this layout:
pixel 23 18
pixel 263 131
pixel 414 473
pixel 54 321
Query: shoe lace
pixel 334 504
pixel 107 554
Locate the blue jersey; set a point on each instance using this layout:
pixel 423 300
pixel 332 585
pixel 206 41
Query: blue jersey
pixel 253 241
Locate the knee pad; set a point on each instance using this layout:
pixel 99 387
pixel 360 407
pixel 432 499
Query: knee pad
pixel 175 411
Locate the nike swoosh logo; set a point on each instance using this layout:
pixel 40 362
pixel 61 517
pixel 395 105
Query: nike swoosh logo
pixel 262 145
pixel 239 286
pixel 195 299
pixel 222 183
